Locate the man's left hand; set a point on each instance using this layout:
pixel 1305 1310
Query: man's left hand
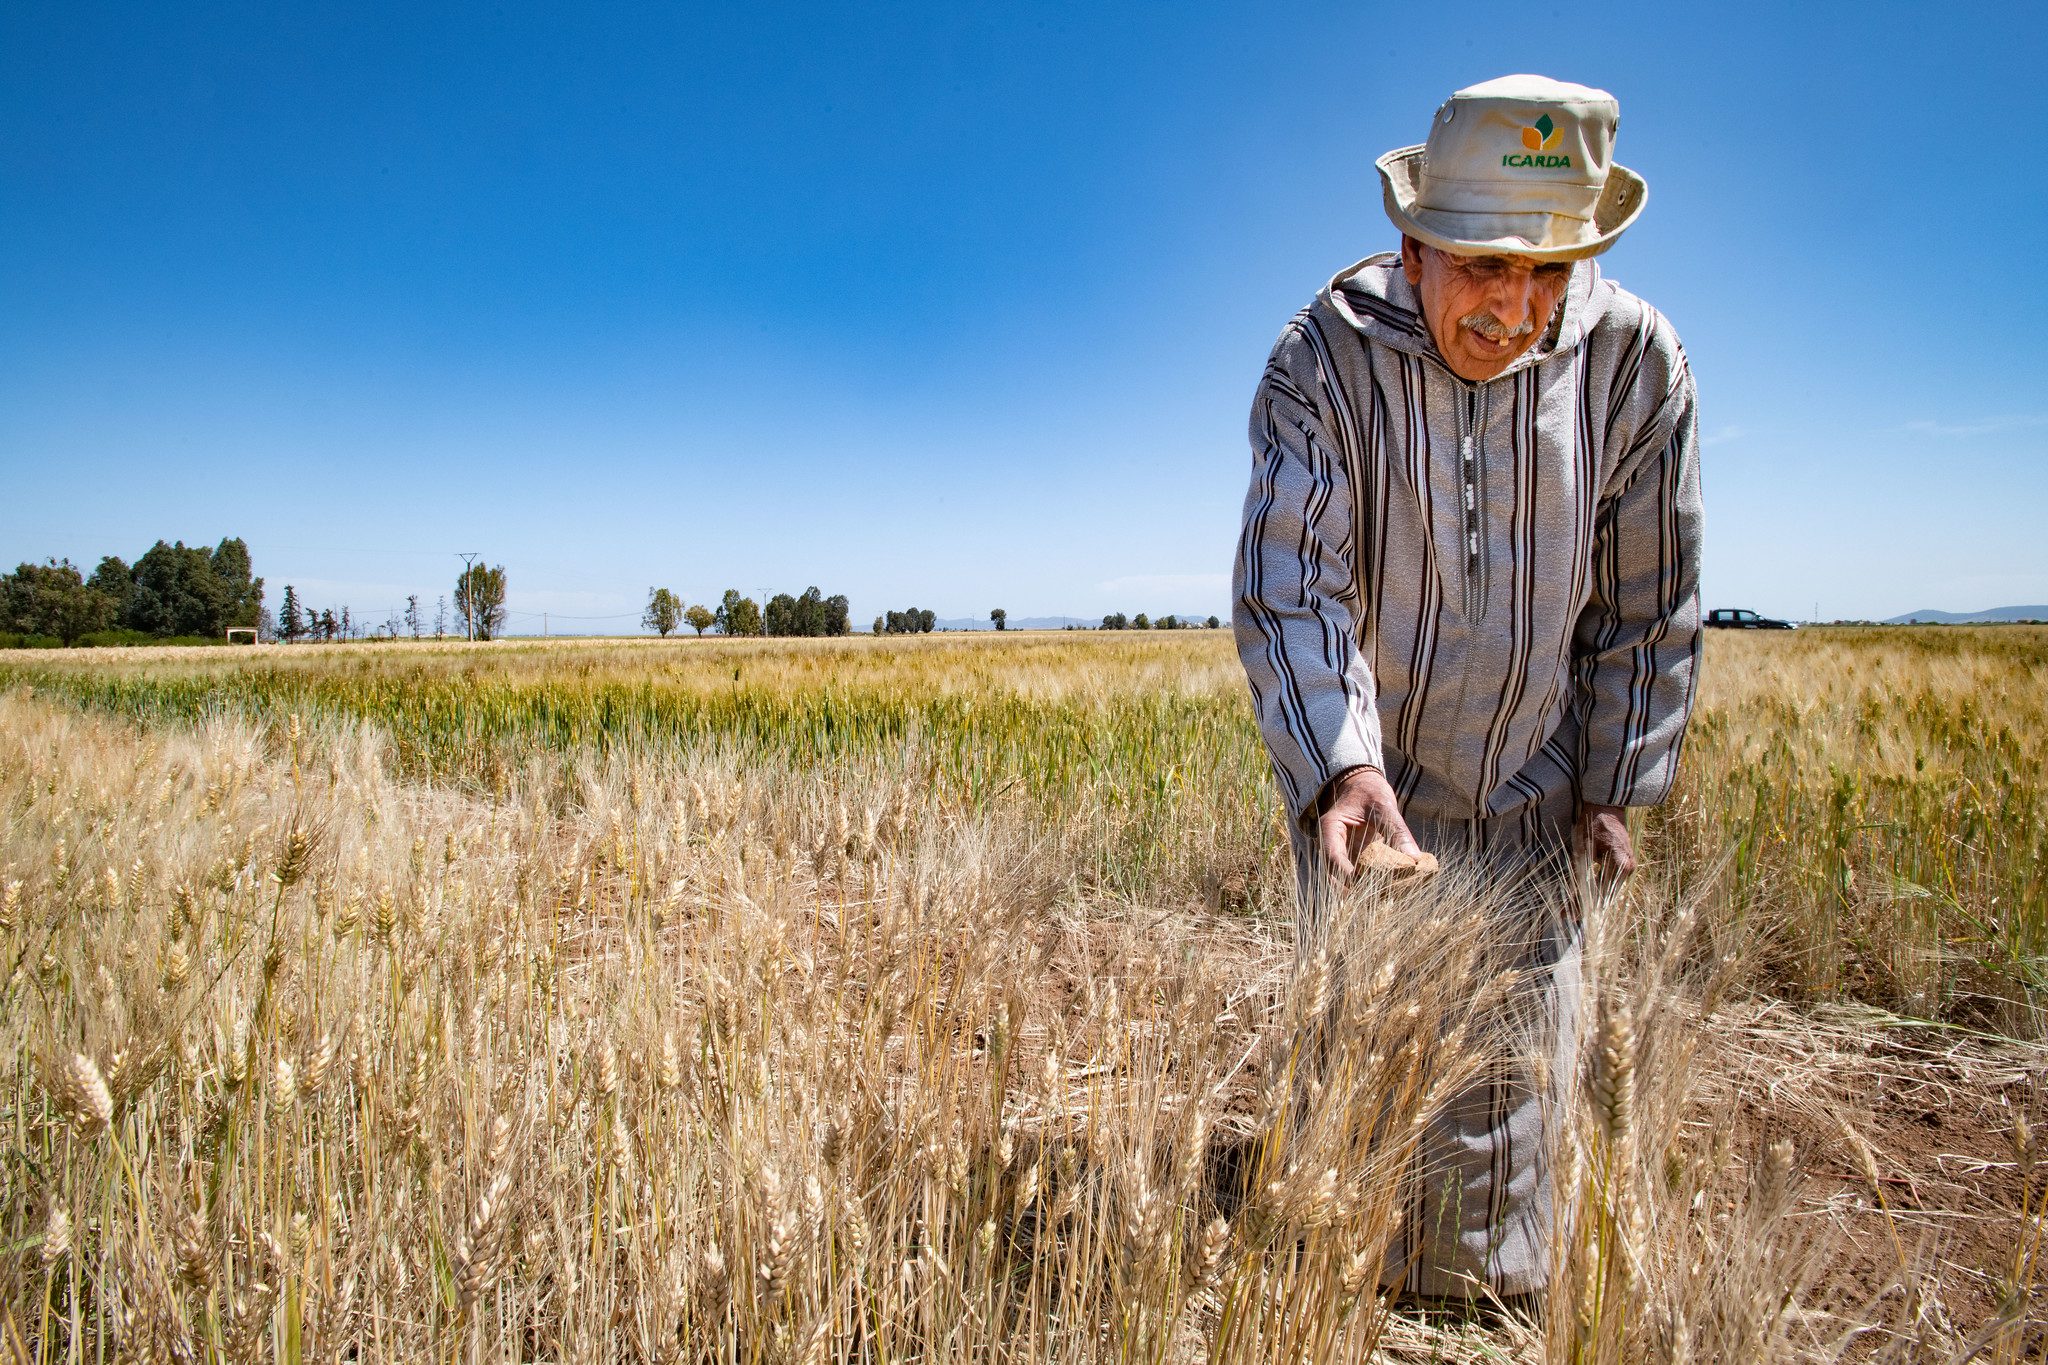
pixel 1602 841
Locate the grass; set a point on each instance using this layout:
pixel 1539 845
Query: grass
pixel 1147 740
pixel 1881 800
pixel 914 1001
pixel 1880 796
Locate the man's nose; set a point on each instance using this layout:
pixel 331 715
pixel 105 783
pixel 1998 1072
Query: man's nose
pixel 1514 294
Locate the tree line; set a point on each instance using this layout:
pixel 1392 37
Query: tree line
pixel 1118 621
pixel 174 591
pixel 190 593
pixel 297 622
pixel 814 614
pixel 808 613
pixel 910 621
pixel 479 614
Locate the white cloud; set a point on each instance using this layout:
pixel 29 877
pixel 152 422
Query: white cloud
pixel 1162 584
pixel 547 599
pixel 1982 426
pixel 1723 435
pixel 361 595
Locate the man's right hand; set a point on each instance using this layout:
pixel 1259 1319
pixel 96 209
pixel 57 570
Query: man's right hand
pixel 1358 806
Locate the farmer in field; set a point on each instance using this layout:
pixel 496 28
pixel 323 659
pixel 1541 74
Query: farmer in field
pixel 1466 590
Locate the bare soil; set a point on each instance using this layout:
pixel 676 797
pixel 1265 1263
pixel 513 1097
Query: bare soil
pixel 1932 1112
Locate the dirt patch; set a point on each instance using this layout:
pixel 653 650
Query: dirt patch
pixel 1906 1134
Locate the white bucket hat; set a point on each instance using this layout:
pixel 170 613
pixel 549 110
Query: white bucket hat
pixel 1520 166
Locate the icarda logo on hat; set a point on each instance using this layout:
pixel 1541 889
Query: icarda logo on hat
pixel 1519 166
pixel 1540 136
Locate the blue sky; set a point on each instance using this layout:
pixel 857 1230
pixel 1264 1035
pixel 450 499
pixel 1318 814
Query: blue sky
pixel 951 305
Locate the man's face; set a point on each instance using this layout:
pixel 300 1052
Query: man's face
pixel 1484 311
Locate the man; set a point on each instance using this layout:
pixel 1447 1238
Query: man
pixel 1466 592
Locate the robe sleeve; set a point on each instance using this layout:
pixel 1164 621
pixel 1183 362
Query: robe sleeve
pixel 1295 593
pixel 1637 643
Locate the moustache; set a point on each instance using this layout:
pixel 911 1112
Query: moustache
pixel 1493 329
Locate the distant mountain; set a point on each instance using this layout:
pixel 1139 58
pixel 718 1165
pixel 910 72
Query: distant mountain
pixel 1015 623
pixel 1967 618
pixel 1037 622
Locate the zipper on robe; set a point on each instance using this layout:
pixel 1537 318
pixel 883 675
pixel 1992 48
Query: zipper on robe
pixel 1468 460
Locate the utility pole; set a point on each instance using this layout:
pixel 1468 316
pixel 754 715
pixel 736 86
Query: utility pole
pixel 468 557
pixel 543 625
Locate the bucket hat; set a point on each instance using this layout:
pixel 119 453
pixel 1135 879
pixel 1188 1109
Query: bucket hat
pixel 1519 166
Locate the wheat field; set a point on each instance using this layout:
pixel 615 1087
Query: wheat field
pixel 932 1000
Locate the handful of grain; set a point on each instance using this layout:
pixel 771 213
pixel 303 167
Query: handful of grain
pixel 1381 856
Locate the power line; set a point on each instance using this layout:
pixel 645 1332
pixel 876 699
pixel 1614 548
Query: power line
pixel 614 616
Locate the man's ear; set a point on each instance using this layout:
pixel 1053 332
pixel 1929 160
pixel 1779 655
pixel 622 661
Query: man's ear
pixel 1411 260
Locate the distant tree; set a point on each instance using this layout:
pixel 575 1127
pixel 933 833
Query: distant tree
pixel 880 625
pixel 51 599
pixel 664 612
pixel 700 617
pixel 1168 623
pixel 1214 623
pixel 480 600
pixel 810 612
pixel 441 617
pixel 412 614
pixel 1116 620
pixel 291 620
pixel 737 615
pixel 175 593
pixel 113 580
pixel 266 626
pixel 171 588
pixel 747 619
pixel 1000 617
pixel 329 627
pixel 1141 622
pixel 909 621
pixel 348 625
pixel 176 589
pixel 779 617
pixel 241 590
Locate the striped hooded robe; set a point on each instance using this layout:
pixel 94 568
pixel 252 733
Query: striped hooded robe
pixel 1489 591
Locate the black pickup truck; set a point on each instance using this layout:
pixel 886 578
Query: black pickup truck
pixel 1734 618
